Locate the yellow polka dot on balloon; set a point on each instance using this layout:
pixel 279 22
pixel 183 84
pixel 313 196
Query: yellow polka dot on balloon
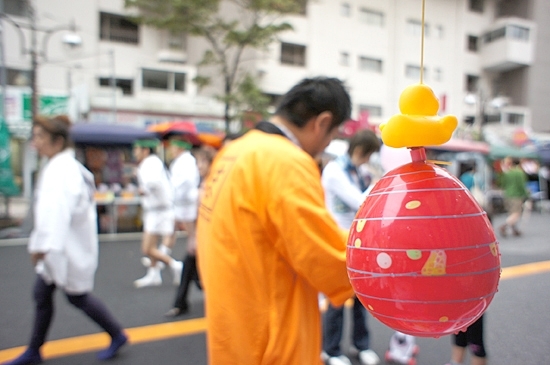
pixel 413 204
pixel 369 307
pixel 357 242
pixel 443 319
pixel 360 225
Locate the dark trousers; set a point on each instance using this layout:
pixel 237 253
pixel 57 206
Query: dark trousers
pixel 188 274
pixel 44 311
pixel 333 323
pixel 473 338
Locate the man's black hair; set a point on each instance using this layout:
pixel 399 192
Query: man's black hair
pixel 311 97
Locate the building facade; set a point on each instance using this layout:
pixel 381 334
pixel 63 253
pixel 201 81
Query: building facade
pixel 486 60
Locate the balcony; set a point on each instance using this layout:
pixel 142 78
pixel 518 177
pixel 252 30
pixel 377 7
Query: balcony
pixel 509 44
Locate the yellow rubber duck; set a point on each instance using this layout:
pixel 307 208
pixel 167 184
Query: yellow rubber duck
pixel 418 124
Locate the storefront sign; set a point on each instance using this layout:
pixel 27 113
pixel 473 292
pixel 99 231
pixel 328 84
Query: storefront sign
pixel 19 111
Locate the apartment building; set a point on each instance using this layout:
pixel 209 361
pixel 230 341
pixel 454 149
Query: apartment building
pixel 474 52
pixel 486 60
pixel 106 68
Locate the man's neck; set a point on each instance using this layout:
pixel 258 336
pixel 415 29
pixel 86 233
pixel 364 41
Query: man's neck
pixel 289 129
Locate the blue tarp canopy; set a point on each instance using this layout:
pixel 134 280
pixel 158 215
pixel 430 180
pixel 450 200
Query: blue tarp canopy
pixel 498 152
pixel 108 134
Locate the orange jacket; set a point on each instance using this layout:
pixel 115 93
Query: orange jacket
pixel 267 247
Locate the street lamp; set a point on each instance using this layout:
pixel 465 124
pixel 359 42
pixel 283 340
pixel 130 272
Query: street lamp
pixel 72 39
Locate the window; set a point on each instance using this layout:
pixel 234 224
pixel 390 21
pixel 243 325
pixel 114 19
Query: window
pixel 163 80
pixel 344 58
pixel 476 5
pixel 179 81
pixel 177 41
pixel 437 74
pixel 345 10
pixel 413 72
pixel 516 119
pixel 469 119
pixel 117 28
pixel 414 27
pixel 372 110
pixel 472 43
pixel 370 64
pixel 16 7
pixel 371 17
pixel 472 82
pixel 18 77
pixel 126 85
pixel 494 35
pixel 517 32
pixel 293 54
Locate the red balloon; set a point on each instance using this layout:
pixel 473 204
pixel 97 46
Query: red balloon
pixel 422 256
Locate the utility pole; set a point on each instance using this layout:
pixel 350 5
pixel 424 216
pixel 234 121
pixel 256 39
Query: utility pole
pixel 34 62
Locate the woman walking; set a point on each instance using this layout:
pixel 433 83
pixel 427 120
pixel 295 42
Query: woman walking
pixel 64 244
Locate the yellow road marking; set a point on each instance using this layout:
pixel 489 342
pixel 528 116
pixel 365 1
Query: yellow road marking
pixel 88 343
pixel 524 270
pixel 157 332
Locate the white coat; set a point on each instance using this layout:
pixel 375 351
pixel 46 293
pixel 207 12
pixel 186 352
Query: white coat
pixel 154 181
pixel 185 179
pixel 65 224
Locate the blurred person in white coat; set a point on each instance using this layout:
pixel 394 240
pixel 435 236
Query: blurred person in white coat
pixel 64 243
pixel 185 179
pixel 158 212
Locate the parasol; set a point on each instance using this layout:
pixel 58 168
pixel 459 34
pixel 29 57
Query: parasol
pixel 210 136
pixel 185 128
pixel 107 134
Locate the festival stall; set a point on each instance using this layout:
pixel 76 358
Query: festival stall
pixel 106 150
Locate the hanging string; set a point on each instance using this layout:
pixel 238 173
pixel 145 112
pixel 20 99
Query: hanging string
pixel 422 44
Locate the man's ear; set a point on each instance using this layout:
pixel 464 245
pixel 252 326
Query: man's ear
pixel 322 122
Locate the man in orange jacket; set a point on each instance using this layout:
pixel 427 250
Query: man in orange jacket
pixel 266 243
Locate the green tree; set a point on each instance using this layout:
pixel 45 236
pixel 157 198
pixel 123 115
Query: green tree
pixel 254 25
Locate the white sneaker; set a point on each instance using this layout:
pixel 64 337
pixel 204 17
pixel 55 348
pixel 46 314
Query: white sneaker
pixel 152 278
pixel 146 261
pixel 338 360
pixel 369 357
pixel 177 268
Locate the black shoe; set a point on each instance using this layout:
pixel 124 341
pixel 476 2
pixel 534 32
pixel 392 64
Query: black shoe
pixel 174 312
pixel 29 357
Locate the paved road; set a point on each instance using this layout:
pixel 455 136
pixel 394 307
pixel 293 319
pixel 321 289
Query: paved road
pixel 517 322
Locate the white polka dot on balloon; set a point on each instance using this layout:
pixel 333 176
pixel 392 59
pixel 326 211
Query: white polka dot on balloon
pixel 383 260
